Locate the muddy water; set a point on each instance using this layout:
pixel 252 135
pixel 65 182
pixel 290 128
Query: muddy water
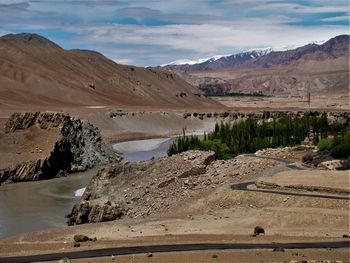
pixel 134 151
pixel 31 206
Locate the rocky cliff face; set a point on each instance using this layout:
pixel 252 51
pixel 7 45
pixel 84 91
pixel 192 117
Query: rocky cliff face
pixel 77 147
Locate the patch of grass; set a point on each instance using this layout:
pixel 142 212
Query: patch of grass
pixel 324 144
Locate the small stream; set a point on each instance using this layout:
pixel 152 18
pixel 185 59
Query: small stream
pixel 32 206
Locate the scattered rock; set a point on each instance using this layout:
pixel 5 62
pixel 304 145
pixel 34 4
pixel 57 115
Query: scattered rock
pixel 167 182
pixel 334 165
pixel 76 244
pixel 82 238
pixel 278 249
pixel 64 260
pixel 259 231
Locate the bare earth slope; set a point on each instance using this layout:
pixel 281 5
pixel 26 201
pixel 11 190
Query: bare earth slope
pixel 36 71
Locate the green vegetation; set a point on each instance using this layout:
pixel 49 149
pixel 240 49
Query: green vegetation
pixel 341 150
pixel 236 94
pixel 324 144
pixel 215 91
pixel 339 145
pixel 247 136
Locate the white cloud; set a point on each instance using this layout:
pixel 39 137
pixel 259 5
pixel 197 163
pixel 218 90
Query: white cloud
pixel 186 29
pixel 197 40
pixel 330 7
pixel 336 19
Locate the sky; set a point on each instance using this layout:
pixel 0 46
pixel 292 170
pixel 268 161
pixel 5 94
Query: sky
pixel 155 32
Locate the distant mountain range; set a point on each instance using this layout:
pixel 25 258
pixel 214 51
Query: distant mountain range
pixel 321 68
pixel 264 58
pixel 215 61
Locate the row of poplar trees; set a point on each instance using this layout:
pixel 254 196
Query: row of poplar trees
pixel 248 136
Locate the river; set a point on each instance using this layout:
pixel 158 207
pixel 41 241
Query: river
pixel 32 206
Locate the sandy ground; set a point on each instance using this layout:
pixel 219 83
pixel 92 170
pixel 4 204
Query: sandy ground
pixel 31 144
pixel 230 256
pixel 322 181
pixel 331 102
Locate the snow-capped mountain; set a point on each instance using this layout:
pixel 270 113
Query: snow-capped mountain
pixel 218 61
pixel 193 62
pixel 292 70
pixel 262 58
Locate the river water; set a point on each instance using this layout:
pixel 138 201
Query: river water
pixel 32 206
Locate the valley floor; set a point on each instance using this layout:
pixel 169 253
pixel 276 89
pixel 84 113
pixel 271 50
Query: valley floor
pixel 217 214
pixel 321 103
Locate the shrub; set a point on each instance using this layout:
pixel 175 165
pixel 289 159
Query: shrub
pixel 324 145
pixel 221 150
pixel 341 150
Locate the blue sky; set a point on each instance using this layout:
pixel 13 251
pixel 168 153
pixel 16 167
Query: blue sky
pixel 149 33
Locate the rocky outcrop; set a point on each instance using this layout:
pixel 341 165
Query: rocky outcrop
pixel 332 116
pixel 133 189
pixel 158 186
pixel 335 164
pixel 79 146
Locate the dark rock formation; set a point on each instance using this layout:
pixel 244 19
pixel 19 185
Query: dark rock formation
pixel 78 148
pixel 258 230
pixel 87 212
pixel 82 238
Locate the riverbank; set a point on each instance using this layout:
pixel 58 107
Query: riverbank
pixel 19 207
pixel 207 213
pixel 57 196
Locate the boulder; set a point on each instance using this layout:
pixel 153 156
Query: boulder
pixel 259 231
pixel 82 238
pixel 332 165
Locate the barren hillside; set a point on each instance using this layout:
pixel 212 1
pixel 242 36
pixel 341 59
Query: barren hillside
pixel 36 71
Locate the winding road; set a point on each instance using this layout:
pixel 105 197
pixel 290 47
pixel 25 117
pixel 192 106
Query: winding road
pixel 171 248
pixel 244 187
pixel 286 165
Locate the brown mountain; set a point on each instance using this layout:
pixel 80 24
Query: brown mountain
pixel 322 69
pixel 36 71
